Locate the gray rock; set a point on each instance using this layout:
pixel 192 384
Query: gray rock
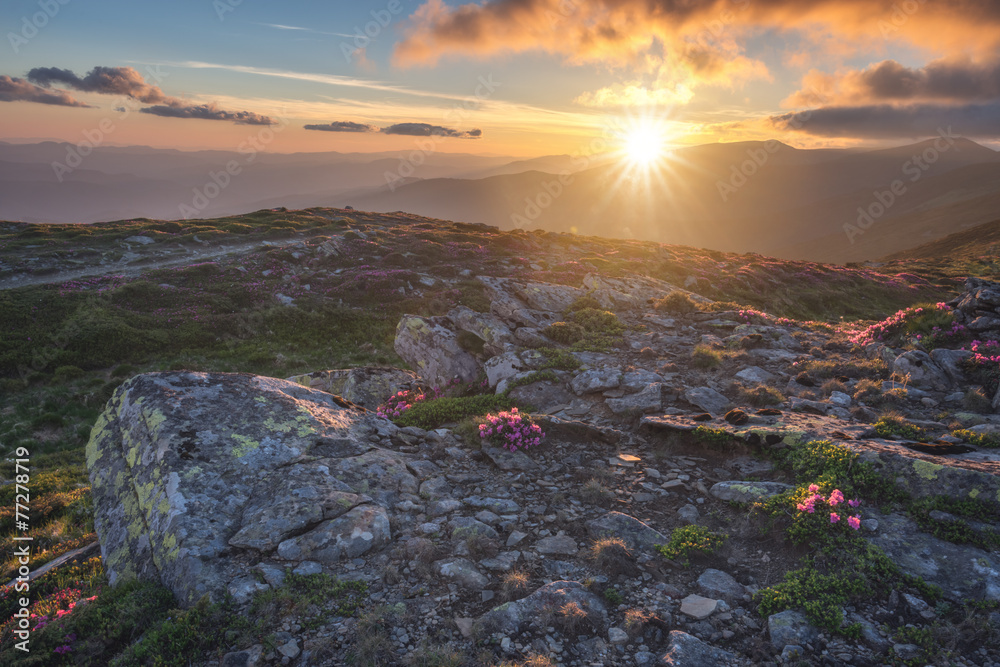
pixel 178 461
pixel 647 400
pixel 367 386
pixel 950 361
pixel 513 617
pixel 707 399
pixel 922 370
pixel 790 627
pixel 503 368
pixel 638 380
pixel 462 572
pixel 699 607
pixel 595 380
pixel 689 514
pixel 962 571
pixel 688 651
pixel 431 347
pixel 907 652
pixel 747 492
pixel 719 584
pixel 617 636
pixel 544 396
pixel 490 328
pixel 498 505
pixel 352 535
pixel 755 374
pixel 463 527
pixel 250 657
pixel 557 545
pixel 840 399
pixel 633 532
pixel 503 562
pixel 508 460
pixel 791 652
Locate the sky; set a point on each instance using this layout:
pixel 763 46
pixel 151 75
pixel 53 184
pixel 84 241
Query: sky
pixel 497 77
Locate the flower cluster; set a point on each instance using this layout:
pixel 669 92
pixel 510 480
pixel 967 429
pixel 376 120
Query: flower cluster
pixel 985 352
pixel 751 316
pixel 404 400
pixel 836 498
pixel 880 331
pixel 511 430
pixel 67 647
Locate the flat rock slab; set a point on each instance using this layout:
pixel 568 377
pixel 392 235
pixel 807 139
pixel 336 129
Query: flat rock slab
pixel 790 627
pixel 699 607
pixel 688 651
pixel 957 476
pixel 513 617
pixel 962 571
pixel 747 492
pixel 708 400
pixel 719 584
pixel 557 545
pixel 509 461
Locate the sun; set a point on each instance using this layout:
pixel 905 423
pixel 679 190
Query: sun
pixel 644 143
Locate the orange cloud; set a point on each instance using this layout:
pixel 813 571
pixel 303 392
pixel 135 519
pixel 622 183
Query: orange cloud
pixel 620 31
pixel 954 80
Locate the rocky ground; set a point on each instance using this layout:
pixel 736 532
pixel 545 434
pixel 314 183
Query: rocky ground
pixel 216 483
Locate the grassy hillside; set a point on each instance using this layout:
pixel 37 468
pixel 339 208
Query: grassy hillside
pixel 300 291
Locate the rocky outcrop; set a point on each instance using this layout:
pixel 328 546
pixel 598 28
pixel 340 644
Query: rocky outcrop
pixel 979 308
pixel 198 477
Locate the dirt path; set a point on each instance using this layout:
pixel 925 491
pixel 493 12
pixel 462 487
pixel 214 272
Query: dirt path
pixel 156 256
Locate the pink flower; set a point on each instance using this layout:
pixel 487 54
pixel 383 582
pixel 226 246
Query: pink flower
pixel 813 488
pixel 854 522
pixel 836 498
pixel 834 517
pixel 854 503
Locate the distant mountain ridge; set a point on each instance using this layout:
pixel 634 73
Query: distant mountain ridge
pixel 832 205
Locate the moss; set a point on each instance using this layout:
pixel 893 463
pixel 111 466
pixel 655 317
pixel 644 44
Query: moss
pixel 686 540
pixel 244 445
pixel 926 470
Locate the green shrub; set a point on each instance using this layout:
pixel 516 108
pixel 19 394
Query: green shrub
pixel 566 333
pixel 585 302
pixel 432 414
pixel 893 424
pixel 977 439
pixel 594 320
pixel 679 303
pixel 689 539
pixel 67 373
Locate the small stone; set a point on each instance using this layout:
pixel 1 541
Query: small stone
pixel 291 649
pixel 617 636
pixel 464 625
pixel 698 607
pixel 557 545
pixel 515 537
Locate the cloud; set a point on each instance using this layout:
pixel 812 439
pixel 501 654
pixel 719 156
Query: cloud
pixel 128 82
pixel 102 80
pixel 207 112
pixel 887 120
pixel 427 130
pixel 954 80
pixel 14 89
pixel 343 126
pixel 622 30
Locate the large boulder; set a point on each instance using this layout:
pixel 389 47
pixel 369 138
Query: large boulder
pixel 431 347
pixel 199 477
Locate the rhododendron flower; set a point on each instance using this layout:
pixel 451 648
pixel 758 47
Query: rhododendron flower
pixel 854 522
pixel 813 488
pixel 836 498
pixel 834 517
pixel 854 503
